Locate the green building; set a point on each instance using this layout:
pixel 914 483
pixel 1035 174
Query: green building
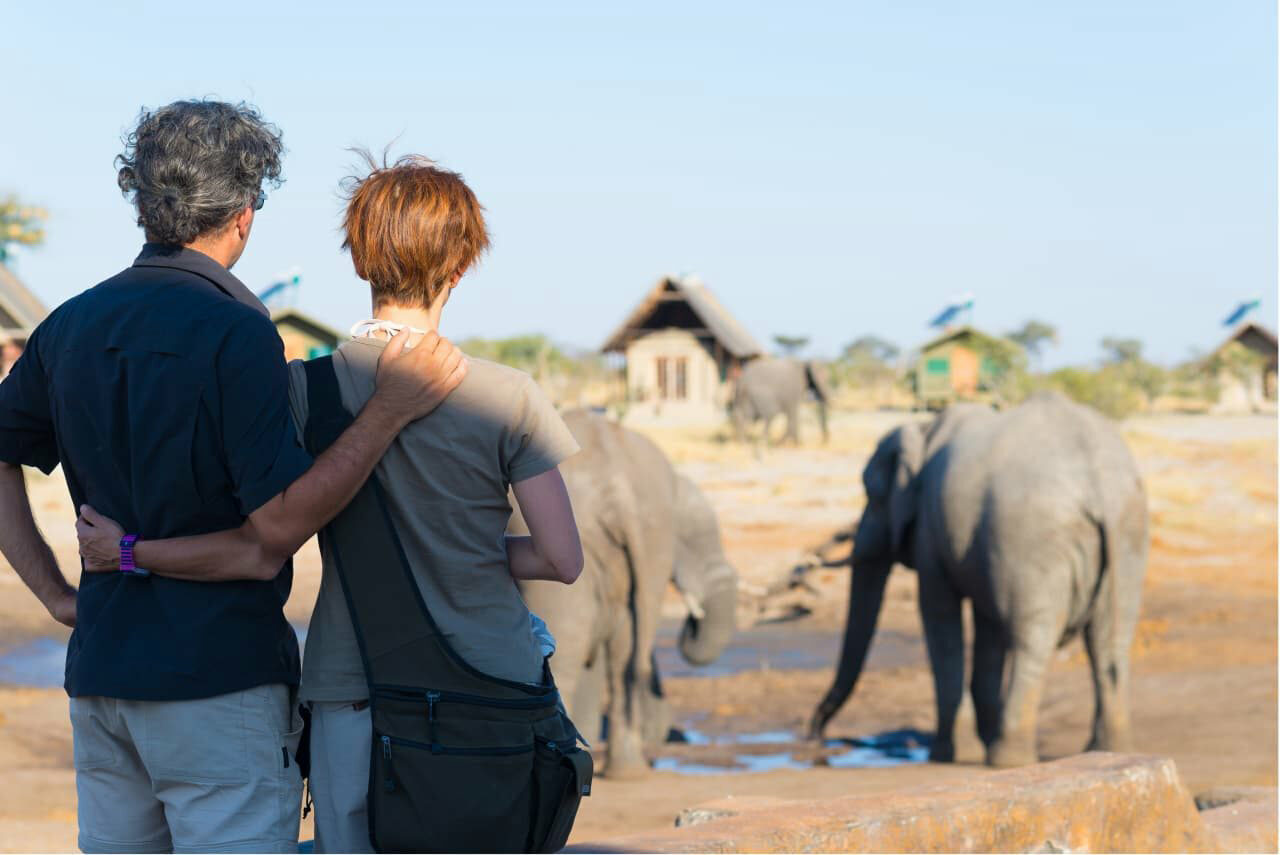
pixel 962 364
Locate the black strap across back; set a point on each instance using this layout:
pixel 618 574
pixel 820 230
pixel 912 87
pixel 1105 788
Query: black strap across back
pixel 462 760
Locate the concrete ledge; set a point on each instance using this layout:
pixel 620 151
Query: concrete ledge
pixel 1092 802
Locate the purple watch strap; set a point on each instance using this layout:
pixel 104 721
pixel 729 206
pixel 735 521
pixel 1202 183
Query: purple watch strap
pixel 126 556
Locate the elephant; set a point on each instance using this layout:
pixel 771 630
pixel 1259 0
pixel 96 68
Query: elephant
pixel 642 526
pixel 767 387
pixel 1038 516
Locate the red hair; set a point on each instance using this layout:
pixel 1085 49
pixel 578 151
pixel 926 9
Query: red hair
pixel 410 227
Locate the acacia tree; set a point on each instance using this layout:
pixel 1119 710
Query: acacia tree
pixel 870 347
pixel 791 344
pixel 19 225
pixel 1033 336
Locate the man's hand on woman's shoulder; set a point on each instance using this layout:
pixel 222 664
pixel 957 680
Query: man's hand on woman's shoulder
pixel 414 381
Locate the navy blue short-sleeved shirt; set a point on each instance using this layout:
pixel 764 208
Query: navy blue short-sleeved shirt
pixel 164 394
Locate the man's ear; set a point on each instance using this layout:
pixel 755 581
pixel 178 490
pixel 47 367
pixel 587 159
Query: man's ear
pixel 243 223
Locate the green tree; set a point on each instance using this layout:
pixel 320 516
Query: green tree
pixel 1121 386
pixel 1121 350
pixel 20 225
pixel 866 362
pixel 870 347
pixel 791 345
pixel 1033 335
pixel 535 354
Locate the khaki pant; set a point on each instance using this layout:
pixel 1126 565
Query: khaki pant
pixel 341 737
pixel 209 775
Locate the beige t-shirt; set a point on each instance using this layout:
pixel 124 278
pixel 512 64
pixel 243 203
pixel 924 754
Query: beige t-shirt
pixel 446 479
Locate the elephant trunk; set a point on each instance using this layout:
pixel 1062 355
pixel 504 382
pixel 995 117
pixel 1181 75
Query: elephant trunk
pixel 866 594
pixel 703 638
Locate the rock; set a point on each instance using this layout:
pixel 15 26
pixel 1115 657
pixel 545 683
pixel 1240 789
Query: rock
pixel 728 806
pixel 693 816
pixel 1241 819
pixel 1092 802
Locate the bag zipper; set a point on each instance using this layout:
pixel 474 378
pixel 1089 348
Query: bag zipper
pixel 388 780
pixel 437 748
pixel 431 696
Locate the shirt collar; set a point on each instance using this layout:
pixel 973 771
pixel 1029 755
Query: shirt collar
pixel 369 327
pixel 194 261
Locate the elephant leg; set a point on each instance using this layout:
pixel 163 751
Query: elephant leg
pixel 944 636
pixel 625 756
pixel 793 427
pixel 587 703
pixel 1108 638
pixel 1033 640
pixel 655 721
pixel 1110 688
pixel 650 542
pixel 988 675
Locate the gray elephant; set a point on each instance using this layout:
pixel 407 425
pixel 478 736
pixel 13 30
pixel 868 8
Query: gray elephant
pixel 768 387
pixel 1039 517
pixel 642 526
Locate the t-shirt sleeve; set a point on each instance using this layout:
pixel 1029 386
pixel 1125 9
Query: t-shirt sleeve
pixel 260 439
pixel 539 440
pixel 26 421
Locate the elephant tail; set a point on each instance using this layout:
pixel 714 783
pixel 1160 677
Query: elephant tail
pixel 815 379
pixel 1104 590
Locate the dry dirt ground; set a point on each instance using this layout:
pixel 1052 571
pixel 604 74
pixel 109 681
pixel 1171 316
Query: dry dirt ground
pixel 1204 660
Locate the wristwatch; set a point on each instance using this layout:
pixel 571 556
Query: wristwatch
pixel 126 557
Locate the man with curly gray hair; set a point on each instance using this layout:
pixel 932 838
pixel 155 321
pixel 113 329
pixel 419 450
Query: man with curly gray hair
pixel 164 395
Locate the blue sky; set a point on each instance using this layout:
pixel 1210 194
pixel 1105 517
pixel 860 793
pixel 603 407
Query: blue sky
pixel 830 170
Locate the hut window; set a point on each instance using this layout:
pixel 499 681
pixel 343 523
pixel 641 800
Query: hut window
pixel 937 366
pixel 682 378
pixel 663 385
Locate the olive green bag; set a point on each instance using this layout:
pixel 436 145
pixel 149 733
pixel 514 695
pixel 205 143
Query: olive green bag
pixel 462 761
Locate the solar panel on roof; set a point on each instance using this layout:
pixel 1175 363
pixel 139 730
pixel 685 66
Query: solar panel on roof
pixel 1241 312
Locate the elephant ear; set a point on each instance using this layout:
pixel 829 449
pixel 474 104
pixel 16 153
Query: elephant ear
pixel 903 496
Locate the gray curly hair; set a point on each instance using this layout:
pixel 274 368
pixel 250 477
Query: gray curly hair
pixel 189 167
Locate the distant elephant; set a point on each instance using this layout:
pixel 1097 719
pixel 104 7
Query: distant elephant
pixel 768 387
pixel 1038 515
pixel 642 526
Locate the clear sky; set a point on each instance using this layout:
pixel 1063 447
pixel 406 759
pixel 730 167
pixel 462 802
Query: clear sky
pixel 830 170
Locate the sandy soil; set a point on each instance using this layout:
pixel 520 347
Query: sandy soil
pixel 1204 661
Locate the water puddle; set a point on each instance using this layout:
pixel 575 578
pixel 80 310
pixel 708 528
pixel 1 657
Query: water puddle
pixel 740 753
pixel 39 663
pixel 784 647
